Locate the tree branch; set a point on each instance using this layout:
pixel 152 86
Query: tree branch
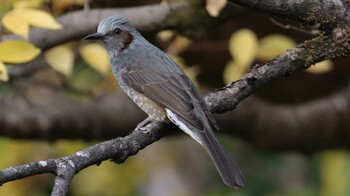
pixel 118 150
pixel 305 11
pixel 30 169
pixel 64 175
pixel 334 44
pixel 307 127
pixel 331 47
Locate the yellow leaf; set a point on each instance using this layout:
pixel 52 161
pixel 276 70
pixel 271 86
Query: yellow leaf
pixel 17 51
pixel 18 21
pixel 15 23
pixel 273 45
pixel 321 67
pixel 243 46
pixel 233 72
pixel 215 6
pixel 39 18
pixel 96 56
pixel 61 59
pixel 3 72
pixel 165 35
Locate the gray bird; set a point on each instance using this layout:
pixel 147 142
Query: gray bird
pixel 162 90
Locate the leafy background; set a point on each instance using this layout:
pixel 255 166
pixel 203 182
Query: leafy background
pixel 174 165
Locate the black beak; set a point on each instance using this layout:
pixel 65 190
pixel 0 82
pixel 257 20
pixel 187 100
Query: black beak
pixel 94 36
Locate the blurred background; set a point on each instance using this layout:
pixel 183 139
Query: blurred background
pixel 40 84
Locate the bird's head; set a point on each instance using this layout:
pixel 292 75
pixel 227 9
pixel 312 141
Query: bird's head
pixel 116 33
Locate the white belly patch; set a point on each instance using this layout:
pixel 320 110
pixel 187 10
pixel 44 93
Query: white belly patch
pixel 174 119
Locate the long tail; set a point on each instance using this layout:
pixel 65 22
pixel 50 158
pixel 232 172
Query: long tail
pixel 229 171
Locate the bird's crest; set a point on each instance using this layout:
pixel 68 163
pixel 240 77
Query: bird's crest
pixel 112 22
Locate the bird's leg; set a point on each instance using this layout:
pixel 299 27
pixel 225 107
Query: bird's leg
pixel 142 125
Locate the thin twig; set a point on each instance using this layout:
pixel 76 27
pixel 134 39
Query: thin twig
pixel 288 26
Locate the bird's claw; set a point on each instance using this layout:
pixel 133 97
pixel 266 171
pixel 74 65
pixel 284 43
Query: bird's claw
pixel 143 129
pixel 143 126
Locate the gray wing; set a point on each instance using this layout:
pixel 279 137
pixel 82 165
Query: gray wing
pixel 169 87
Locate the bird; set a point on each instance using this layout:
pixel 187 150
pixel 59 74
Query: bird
pixel 162 90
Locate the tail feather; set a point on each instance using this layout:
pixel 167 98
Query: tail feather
pixel 228 169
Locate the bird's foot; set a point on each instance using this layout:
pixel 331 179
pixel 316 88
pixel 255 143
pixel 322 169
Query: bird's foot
pixel 142 126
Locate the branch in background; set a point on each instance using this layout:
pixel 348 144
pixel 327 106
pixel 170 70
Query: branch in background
pixel 59 117
pixel 26 69
pixel 309 127
pixel 305 11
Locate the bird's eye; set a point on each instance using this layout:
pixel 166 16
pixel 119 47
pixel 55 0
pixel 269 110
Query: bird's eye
pixel 117 31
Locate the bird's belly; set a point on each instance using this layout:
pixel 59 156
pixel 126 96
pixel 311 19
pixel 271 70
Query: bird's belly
pixel 154 111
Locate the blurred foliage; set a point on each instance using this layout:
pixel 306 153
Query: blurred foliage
pixel 96 56
pixel 164 166
pixel 19 20
pixel 335 170
pixel 273 45
pixel 321 67
pixel 176 43
pixel 17 51
pixel 61 59
pixel 3 72
pixel 245 48
pixel 215 6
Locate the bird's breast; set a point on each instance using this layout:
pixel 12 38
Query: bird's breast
pixel 153 110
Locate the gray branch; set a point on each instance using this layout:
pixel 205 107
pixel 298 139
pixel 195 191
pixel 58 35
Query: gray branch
pixel 331 47
pixel 65 168
pixel 306 11
pixel 332 44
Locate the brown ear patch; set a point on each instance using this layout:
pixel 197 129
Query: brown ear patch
pixel 126 39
